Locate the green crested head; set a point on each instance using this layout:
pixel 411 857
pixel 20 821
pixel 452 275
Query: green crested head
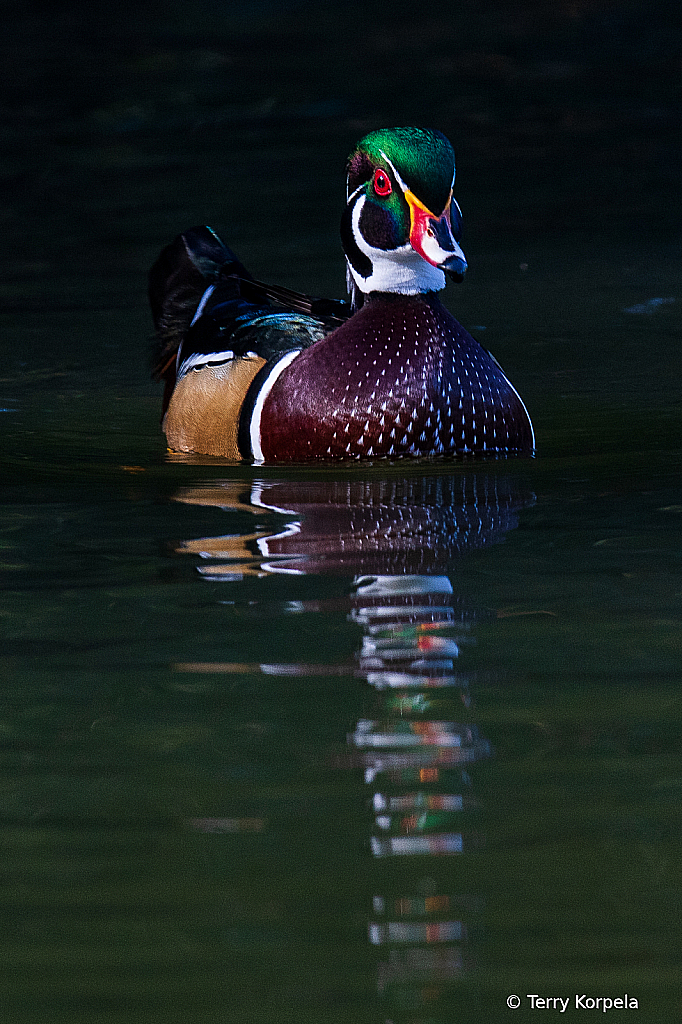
pixel 424 159
pixel 401 226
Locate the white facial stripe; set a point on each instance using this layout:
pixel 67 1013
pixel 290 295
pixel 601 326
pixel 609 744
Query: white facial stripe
pixel 355 191
pixel 369 250
pixel 432 249
pixel 438 255
pixel 395 172
pixel 403 184
pixel 254 426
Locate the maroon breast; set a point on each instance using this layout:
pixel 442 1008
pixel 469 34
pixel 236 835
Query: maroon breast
pixel 401 377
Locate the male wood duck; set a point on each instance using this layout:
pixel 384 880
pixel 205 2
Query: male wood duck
pixel 270 375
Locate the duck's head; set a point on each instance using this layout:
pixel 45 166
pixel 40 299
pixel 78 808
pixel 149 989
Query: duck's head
pixel 401 226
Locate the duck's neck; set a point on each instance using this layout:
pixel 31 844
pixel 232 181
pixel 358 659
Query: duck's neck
pixel 430 298
pixel 399 270
pixel 360 297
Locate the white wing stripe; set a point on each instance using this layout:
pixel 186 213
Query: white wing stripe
pixel 204 299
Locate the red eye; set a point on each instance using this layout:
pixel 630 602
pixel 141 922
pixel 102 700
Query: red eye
pixel 382 184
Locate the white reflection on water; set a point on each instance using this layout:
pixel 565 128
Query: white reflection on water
pixel 412 761
pixel 396 538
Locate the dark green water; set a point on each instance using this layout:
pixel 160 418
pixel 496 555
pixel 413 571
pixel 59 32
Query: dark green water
pixel 380 743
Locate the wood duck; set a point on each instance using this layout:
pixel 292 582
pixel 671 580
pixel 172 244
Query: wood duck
pixel 267 374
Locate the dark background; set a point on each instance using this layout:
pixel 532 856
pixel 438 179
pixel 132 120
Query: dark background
pixel 562 115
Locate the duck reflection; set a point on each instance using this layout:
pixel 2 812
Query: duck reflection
pixel 385 527
pixel 396 538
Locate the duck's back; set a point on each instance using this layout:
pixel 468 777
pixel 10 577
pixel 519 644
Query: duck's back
pixel 401 377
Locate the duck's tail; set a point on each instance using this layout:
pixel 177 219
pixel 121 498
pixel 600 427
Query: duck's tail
pixel 182 273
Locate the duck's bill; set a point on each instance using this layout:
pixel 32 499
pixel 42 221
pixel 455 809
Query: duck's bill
pixel 455 266
pixel 432 238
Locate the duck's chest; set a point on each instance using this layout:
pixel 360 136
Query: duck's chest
pixel 400 377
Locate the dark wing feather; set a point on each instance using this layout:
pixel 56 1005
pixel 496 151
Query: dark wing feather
pixel 327 309
pixel 243 314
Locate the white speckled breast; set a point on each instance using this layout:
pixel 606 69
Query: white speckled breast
pixel 401 377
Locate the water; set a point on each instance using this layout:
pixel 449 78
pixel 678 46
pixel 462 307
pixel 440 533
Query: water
pixel 382 743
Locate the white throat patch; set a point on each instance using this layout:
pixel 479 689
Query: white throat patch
pixel 399 270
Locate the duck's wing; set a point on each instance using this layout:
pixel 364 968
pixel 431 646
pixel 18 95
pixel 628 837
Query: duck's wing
pixel 229 327
pixel 208 309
